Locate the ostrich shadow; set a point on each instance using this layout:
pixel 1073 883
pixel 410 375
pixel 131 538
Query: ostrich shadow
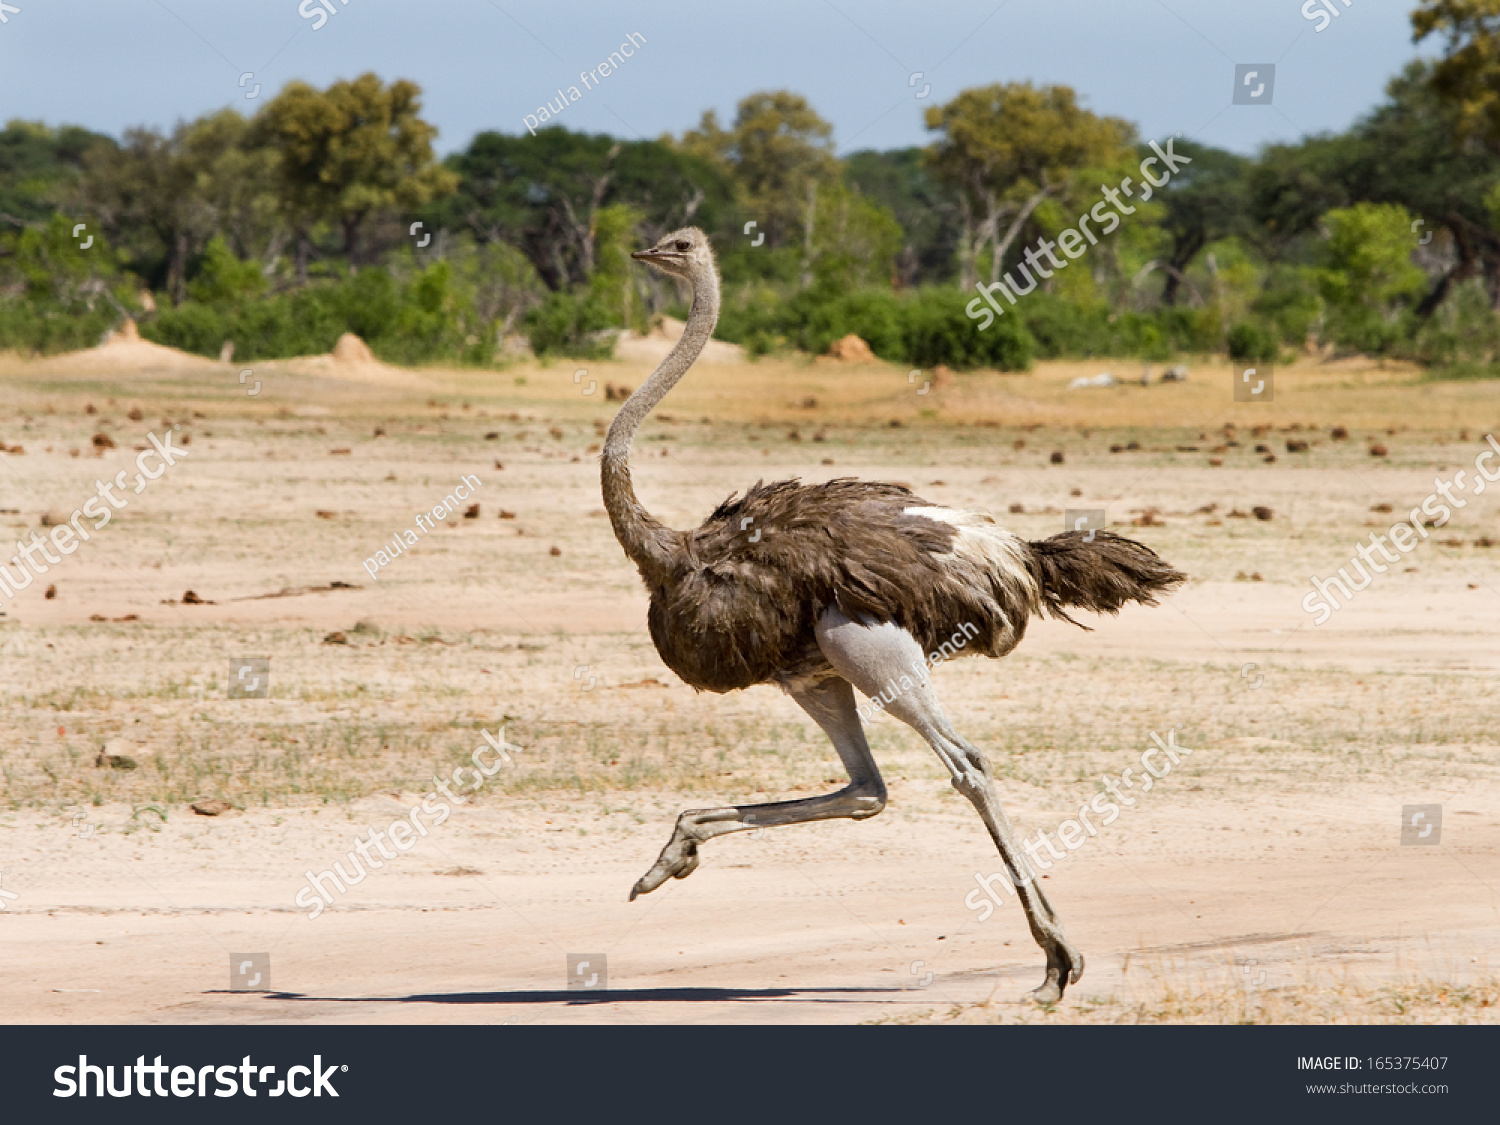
pixel 575 997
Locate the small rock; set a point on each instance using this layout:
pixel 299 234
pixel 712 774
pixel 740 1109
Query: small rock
pixel 1295 446
pixel 213 807
pixel 1339 433
pixel 335 638
pixel 1380 508
pixel 507 515
pixel 554 551
pixel 191 598
pixel 471 512
pixel 1057 457
pixel 51 592
pixel 1262 513
pixel 1378 451
pixel 1017 509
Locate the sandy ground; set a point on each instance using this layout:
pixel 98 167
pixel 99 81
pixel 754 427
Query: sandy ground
pixel 1267 866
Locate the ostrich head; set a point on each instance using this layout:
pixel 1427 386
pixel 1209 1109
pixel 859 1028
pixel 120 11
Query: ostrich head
pixel 684 254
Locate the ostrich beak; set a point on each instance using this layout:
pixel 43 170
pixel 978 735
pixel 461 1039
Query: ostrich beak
pixel 653 254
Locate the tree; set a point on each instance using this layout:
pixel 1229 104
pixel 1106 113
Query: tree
pixel 1208 201
pixel 37 166
pixel 1005 148
pixel 927 212
pixel 780 153
pixel 1369 280
pixel 1468 74
pixel 543 194
pixel 143 194
pixel 345 153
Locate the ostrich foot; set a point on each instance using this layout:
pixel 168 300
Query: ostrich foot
pixel 678 860
pixel 1064 967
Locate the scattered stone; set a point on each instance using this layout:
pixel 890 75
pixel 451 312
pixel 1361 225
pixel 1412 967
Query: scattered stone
pixel 1378 451
pixel 1018 509
pixel 1263 513
pixel 554 551
pixel 471 512
pixel 1057 457
pixel 51 592
pixel 111 755
pixel 325 514
pixel 1103 379
pixel 1149 518
pixel 335 638
pixel 1295 446
pixel 135 414
pixel 1262 449
pixel 505 515
pixel 1236 514
pixel 1339 433
pixel 190 598
pixel 1381 508
pixel 212 807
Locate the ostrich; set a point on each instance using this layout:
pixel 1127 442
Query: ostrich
pixel 824 588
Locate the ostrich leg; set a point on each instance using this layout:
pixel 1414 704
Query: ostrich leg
pixel 831 705
pixel 874 658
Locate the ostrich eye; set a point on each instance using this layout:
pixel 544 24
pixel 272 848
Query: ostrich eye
pixel 683 247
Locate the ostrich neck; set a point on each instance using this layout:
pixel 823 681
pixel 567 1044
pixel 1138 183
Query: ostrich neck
pixel 652 546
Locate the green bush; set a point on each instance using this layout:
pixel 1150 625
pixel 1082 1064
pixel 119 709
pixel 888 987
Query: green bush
pixel 424 319
pixel 572 325
pixel 938 330
pixel 1252 343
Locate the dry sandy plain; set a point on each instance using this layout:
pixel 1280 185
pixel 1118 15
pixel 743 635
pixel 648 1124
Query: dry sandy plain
pixel 1262 880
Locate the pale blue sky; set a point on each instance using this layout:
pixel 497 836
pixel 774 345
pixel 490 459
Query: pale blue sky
pixel 1167 65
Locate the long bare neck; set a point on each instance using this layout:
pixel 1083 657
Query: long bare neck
pixel 652 546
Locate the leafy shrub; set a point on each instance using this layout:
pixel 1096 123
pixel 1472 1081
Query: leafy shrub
pixel 572 325
pixel 1252 343
pixel 938 330
pixel 424 319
